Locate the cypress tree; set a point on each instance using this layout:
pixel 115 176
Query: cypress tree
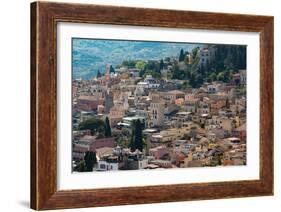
pixel 138 136
pixel 107 132
pixel 161 64
pixel 111 69
pixel 181 57
pixel 90 160
pixel 98 74
pixel 132 144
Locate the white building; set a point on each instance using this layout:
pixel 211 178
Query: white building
pixel 148 83
pixel 131 119
pixel 206 56
pixel 134 72
pixel 183 116
pixel 137 164
pixel 106 166
pixel 151 82
pixel 140 88
pixel 213 88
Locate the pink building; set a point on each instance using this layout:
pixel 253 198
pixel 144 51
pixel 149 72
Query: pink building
pixel 88 103
pixel 91 143
pixel 158 152
pixel 102 142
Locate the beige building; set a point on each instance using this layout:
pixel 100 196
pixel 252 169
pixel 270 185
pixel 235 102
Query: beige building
pixel 156 113
pixel 171 96
pixel 116 115
pixel 170 135
pixel 227 124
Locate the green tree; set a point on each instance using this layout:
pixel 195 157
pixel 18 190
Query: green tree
pixel 185 85
pixel 132 144
pixel 224 76
pixel 99 74
pixel 125 63
pixel 195 52
pixel 153 66
pixel 90 160
pixel 107 132
pixel 136 141
pixel 122 138
pixel 195 61
pixel 192 80
pixel 227 76
pixel 161 64
pixel 220 76
pixel 93 124
pixel 181 57
pixel 80 167
pixel 129 63
pixel 140 65
pixel 153 74
pixel 167 59
pixel 177 73
pixel 111 69
pixel 229 57
pixel 212 77
pixel 138 136
pixel 142 72
pixel 199 80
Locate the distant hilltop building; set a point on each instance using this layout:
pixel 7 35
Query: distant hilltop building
pixel 151 82
pixel 207 55
pixel 148 83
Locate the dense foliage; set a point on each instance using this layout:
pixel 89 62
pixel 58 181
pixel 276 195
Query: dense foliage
pixel 93 124
pixel 107 132
pixel 228 59
pixel 136 139
pixel 90 160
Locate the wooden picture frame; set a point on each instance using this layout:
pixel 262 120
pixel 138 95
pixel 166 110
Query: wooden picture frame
pixel 44 19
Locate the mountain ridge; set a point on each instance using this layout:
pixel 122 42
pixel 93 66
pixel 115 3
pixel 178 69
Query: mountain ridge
pixel 91 55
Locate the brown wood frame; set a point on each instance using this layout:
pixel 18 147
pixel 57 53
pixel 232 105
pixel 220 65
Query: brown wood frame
pixel 44 18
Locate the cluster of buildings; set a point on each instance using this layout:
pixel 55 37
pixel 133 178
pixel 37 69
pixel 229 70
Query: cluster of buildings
pixel 181 127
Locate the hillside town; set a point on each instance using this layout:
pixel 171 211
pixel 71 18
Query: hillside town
pixel 157 115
